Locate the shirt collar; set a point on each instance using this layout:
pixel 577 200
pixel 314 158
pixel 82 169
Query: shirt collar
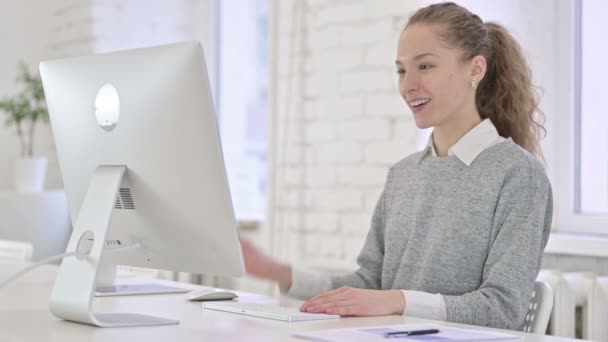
pixel 470 145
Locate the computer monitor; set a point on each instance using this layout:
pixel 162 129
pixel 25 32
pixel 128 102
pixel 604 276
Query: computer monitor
pixel 141 160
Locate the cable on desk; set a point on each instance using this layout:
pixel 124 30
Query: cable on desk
pixel 50 259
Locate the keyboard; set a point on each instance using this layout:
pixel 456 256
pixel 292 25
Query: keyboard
pixel 267 311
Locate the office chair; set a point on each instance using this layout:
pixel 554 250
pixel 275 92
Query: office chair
pixel 539 309
pixel 15 251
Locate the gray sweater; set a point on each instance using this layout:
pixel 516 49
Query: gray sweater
pixel 474 234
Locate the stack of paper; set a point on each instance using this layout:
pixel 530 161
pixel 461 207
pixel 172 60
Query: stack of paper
pixel 377 333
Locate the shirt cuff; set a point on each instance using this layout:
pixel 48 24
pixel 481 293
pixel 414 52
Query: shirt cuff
pixel 307 283
pixel 424 305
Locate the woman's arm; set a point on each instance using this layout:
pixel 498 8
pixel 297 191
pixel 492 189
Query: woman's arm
pixel 261 265
pixel 522 222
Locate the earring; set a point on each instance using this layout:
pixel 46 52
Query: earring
pixel 473 84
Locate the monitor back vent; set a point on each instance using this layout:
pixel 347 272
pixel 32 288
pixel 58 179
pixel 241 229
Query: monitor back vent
pixel 124 200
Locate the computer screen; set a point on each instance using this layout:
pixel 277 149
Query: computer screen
pixel 141 160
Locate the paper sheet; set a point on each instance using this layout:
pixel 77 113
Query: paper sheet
pixel 376 333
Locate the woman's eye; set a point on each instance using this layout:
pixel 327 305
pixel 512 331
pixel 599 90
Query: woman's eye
pixel 425 66
pixel 401 72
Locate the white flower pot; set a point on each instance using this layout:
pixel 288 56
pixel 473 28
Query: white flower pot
pixel 30 174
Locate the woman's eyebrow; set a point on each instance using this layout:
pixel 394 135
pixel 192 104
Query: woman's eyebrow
pixel 422 55
pixel 418 57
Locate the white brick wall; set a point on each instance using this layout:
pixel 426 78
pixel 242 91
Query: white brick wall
pixel 384 104
pixel 343 152
pixel 364 130
pixel 320 131
pixel 354 124
pixel 360 176
pixel 319 176
pixel 334 107
pixel 324 222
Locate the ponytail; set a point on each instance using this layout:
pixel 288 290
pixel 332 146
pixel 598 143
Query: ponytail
pixel 506 94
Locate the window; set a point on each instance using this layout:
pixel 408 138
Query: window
pixel 582 192
pixel 242 102
pixel 592 113
pixel 234 35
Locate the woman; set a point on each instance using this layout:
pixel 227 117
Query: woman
pixel 459 230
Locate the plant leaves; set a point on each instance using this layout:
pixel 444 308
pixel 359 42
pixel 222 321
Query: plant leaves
pixel 27 105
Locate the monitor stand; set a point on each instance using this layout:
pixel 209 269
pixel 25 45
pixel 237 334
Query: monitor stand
pixel 73 293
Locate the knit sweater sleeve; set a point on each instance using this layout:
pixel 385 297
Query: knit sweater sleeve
pixel 521 226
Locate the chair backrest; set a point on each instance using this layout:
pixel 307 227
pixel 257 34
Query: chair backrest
pixel 15 251
pixel 539 309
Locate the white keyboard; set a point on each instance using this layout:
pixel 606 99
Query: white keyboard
pixel 267 311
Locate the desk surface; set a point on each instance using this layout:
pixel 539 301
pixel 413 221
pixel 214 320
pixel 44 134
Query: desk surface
pixel 25 316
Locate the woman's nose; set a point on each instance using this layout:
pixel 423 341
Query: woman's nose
pixel 408 83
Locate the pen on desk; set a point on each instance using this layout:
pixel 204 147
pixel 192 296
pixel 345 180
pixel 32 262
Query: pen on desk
pixel 411 332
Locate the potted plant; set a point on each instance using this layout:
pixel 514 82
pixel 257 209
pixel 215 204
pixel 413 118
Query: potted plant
pixel 23 111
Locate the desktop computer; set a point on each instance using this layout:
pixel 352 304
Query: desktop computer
pixel 141 160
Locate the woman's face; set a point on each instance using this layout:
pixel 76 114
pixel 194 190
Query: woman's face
pixel 433 80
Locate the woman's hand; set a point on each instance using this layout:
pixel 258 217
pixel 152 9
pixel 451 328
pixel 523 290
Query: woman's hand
pixel 261 265
pixel 349 301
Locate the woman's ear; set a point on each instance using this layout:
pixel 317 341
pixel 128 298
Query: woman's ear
pixel 478 68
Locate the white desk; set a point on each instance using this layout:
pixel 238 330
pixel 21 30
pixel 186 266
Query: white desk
pixel 24 316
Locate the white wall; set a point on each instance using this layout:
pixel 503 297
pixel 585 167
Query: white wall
pixel 33 31
pixel 119 25
pixel 25 31
pixel 594 114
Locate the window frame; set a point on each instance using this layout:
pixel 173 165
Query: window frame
pixel 568 218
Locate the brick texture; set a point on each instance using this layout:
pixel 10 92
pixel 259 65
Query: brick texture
pixel 354 124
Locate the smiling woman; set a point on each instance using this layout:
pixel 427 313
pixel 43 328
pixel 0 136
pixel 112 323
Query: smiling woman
pixel 459 230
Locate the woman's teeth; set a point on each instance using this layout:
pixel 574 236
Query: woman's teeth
pixel 419 102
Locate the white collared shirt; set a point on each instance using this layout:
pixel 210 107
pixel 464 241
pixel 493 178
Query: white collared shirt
pixel 470 145
pixel 307 282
